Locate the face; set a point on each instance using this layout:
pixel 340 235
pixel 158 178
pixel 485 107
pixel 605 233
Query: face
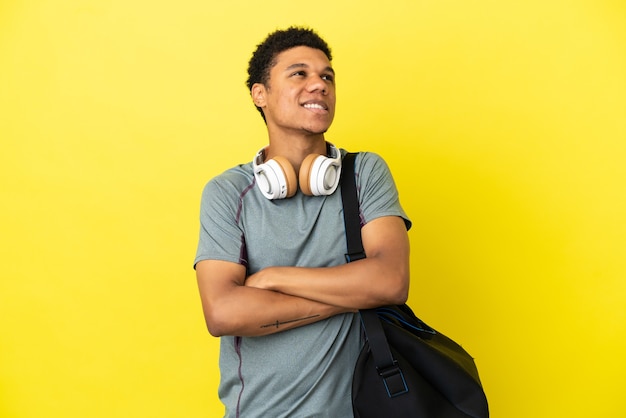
pixel 300 95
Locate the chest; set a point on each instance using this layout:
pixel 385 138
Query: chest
pixel 305 231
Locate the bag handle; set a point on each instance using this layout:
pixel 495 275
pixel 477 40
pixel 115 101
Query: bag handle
pixel 386 365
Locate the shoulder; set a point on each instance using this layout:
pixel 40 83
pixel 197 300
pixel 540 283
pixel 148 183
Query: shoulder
pixel 224 192
pixel 369 163
pixel 370 160
pixel 378 195
pixel 365 158
pixel 237 178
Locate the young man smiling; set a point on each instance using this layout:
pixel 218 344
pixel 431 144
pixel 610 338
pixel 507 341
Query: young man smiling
pixel 270 262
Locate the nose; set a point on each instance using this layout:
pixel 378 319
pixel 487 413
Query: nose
pixel 317 83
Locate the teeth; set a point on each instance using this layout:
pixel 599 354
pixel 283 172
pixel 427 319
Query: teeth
pixel 313 106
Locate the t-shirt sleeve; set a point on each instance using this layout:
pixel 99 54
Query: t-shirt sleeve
pixel 221 237
pixel 378 195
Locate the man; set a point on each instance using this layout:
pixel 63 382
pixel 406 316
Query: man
pixel 270 264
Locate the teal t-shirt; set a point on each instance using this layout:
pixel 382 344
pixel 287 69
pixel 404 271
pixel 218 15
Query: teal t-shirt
pixel 305 371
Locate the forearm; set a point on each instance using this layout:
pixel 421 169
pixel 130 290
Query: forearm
pixel 361 284
pixel 247 311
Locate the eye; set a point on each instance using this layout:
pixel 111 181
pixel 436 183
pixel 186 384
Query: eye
pixel 299 73
pixel 328 77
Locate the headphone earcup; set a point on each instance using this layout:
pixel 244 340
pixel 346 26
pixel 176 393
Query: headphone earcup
pixel 276 178
pixel 305 173
pixel 319 175
pixel 291 182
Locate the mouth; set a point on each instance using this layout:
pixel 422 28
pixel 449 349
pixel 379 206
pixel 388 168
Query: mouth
pixel 315 105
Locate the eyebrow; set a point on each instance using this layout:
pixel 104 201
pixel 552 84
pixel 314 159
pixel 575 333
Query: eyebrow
pixel 302 65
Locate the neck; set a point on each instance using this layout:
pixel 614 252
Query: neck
pixel 296 148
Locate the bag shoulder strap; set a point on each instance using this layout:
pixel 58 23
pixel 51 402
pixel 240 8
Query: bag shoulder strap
pixel 386 365
pixel 351 215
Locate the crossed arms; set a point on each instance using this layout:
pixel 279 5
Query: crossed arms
pixel 280 298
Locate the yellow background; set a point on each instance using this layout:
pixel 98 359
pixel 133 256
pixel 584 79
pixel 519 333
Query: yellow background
pixel 504 123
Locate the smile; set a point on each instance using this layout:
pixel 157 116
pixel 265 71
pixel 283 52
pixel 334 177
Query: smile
pixel 315 106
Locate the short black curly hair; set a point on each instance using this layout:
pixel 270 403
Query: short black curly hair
pixel 264 57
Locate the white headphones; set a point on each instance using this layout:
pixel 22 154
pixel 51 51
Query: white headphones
pixel 319 175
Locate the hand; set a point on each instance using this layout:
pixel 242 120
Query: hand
pixel 260 279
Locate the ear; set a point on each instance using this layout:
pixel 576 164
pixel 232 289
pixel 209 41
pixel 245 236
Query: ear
pixel 258 92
